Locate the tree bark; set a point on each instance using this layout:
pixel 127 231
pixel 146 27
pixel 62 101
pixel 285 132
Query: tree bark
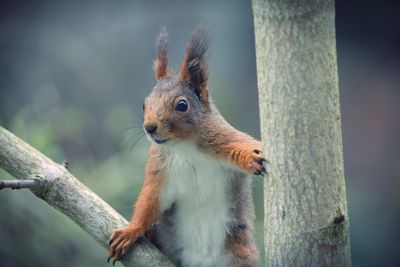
pixel 306 219
pixel 64 192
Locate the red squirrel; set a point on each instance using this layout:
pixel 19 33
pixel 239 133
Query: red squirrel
pixel 195 204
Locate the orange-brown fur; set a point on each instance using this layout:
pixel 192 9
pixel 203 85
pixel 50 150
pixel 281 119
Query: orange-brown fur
pixel 194 66
pixel 238 242
pixel 147 209
pixel 203 126
pixel 161 64
pixel 245 255
pixel 229 144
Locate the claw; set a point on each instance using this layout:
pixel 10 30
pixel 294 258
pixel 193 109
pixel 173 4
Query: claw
pixel 260 160
pixel 108 259
pixel 260 171
pixel 114 261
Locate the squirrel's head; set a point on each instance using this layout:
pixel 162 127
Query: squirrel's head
pixel 176 105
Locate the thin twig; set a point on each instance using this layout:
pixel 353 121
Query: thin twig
pixel 19 184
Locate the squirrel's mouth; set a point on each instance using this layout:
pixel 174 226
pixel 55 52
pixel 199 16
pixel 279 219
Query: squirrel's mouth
pixel 160 140
pixel 156 139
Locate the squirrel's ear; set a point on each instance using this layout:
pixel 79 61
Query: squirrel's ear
pixel 194 66
pixel 161 64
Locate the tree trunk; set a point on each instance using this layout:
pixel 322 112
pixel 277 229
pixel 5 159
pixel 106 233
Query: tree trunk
pixel 306 219
pixel 60 189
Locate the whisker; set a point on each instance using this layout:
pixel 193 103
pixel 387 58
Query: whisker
pixel 135 142
pixel 138 115
pixel 134 132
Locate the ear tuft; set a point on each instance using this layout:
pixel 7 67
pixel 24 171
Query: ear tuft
pixel 161 64
pixel 194 69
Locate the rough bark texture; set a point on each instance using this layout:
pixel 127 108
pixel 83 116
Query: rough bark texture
pixel 305 197
pixel 65 193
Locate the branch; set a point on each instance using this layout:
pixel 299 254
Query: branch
pixel 63 191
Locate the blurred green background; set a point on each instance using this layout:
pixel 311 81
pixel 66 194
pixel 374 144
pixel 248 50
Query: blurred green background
pixel 73 76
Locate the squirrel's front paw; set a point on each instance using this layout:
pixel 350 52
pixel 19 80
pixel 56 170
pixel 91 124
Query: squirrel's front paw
pixel 256 162
pixel 121 239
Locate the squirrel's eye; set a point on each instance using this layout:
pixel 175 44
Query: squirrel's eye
pixel 182 105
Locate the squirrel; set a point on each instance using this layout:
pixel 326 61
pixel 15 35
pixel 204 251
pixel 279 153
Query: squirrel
pixel 196 203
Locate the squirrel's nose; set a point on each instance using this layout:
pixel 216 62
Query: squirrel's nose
pixel 150 128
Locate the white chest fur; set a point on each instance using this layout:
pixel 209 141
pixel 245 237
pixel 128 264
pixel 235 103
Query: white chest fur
pixel 198 185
